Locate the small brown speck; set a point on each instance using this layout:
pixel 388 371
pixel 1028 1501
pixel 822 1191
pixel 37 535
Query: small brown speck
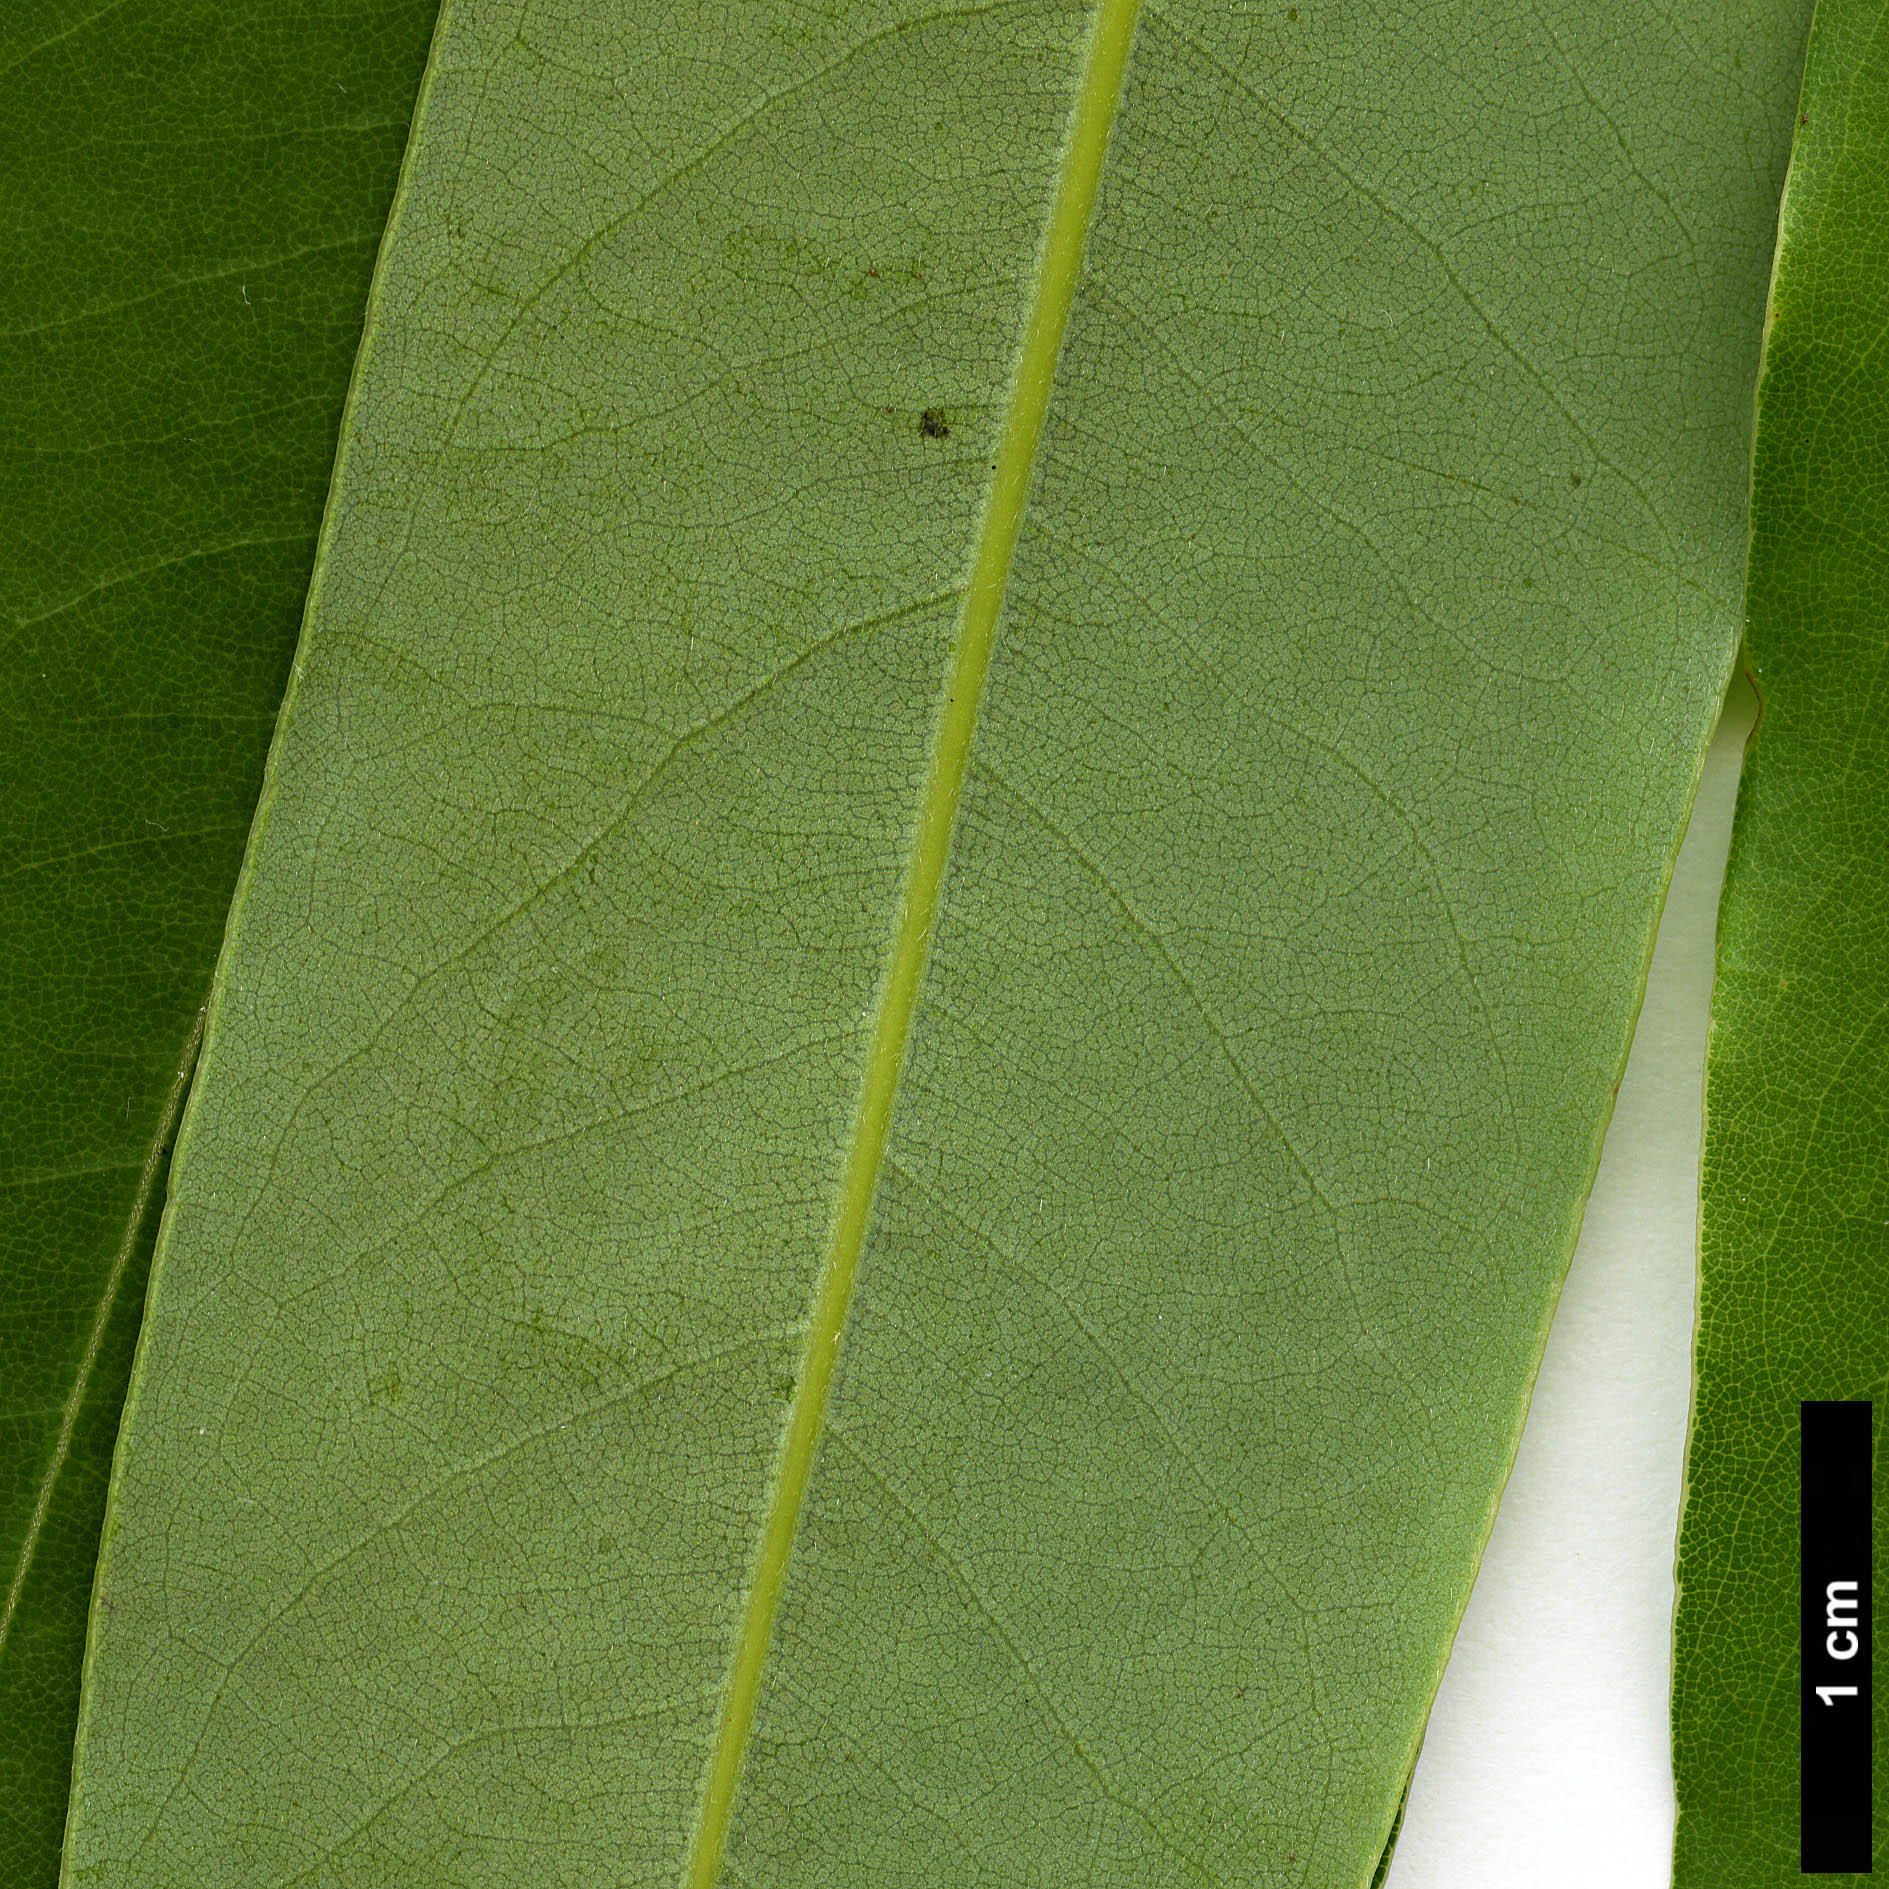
pixel 931 424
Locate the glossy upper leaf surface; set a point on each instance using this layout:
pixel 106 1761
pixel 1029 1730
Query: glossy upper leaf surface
pixel 193 197
pixel 1795 1205
pixel 1366 625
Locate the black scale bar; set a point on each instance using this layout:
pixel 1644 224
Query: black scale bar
pixel 1834 1740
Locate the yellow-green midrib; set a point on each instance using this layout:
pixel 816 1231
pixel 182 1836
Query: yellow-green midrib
pixel 1059 267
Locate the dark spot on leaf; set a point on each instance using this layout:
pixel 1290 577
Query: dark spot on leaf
pixel 1574 478
pixel 931 424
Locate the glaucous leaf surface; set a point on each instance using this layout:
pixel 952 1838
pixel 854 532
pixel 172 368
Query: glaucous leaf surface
pixel 194 194
pixel 1794 1294
pixel 767 1284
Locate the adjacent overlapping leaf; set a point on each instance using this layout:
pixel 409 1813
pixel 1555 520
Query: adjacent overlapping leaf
pixel 193 197
pixel 1269 943
pixel 1794 1297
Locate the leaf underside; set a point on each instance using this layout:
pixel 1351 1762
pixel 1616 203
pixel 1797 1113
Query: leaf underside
pixel 1361 642
pixel 194 195
pixel 1794 1247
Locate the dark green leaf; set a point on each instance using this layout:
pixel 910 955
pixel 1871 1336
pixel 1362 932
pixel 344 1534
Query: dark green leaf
pixel 193 194
pixel 1795 1213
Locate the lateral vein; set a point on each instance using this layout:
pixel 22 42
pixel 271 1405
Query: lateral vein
pixel 1060 266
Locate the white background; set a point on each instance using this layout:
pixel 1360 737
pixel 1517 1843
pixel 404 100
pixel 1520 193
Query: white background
pixel 1547 1764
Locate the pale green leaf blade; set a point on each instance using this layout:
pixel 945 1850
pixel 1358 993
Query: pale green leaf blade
pixel 1363 637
